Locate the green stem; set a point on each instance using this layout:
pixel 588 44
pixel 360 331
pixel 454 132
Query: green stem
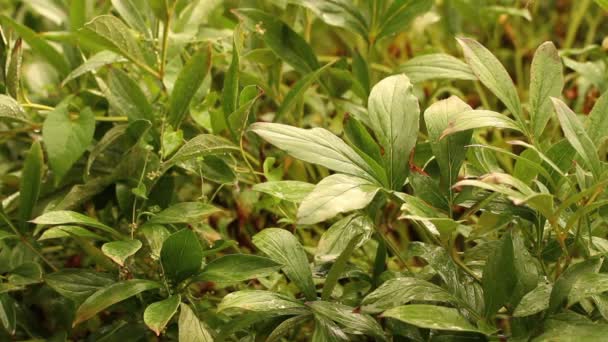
pixel 576 16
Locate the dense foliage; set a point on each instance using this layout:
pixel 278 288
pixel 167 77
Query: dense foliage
pixel 303 170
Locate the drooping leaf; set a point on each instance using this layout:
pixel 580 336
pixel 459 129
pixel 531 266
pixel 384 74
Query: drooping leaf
pixel 577 136
pixel 30 182
pixel 184 212
pixel 119 251
pixel 282 247
pixel 157 315
pixel 431 317
pixel 188 81
pixel 233 268
pixel 318 146
pixel 336 194
pixel 547 80
pixel 394 114
pixel 110 295
pixel 191 328
pixel 436 66
pixel 492 74
pixel 66 138
pixel 181 255
pixel 449 151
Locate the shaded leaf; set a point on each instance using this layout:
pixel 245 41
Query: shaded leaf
pixel 238 267
pixel 181 255
pixel 281 246
pixel 184 212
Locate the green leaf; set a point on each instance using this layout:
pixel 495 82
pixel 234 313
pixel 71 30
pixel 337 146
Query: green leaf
pixel 450 151
pixel 492 74
pixel 39 45
pixel 191 328
pixel 338 267
pixel 361 140
pixel 298 89
pixel 262 302
pixel 25 274
pixel 8 313
pixel 119 251
pixel 317 146
pixel 78 284
pixel 546 81
pixel 351 322
pixel 68 231
pixel 184 212
pixel 534 301
pixel 293 191
pixel 13 71
pixel 328 331
pixel 431 317
pixel 157 315
pixel 31 178
pixel 70 217
pixel 558 330
pixel 281 246
pixel 132 15
pixel 200 146
pixel 472 119
pixel 234 268
pixel 336 194
pixel 230 91
pixel 112 34
pixel 155 235
pixel 112 294
pixel 96 61
pixel 394 114
pixel 11 110
pixel 285 327
pixel 437 66
pixel 603 4
pixel 577 137
pixel 596 123
pixel 400 15
pixel 339 13
pixel 587 285
pixel 508 275
pixel 335 240
pixel 66 138
pixel 188 81
pixel 181 255
pixel 6 235
pixel 281 39
pixel 399 291
pixel 125 95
